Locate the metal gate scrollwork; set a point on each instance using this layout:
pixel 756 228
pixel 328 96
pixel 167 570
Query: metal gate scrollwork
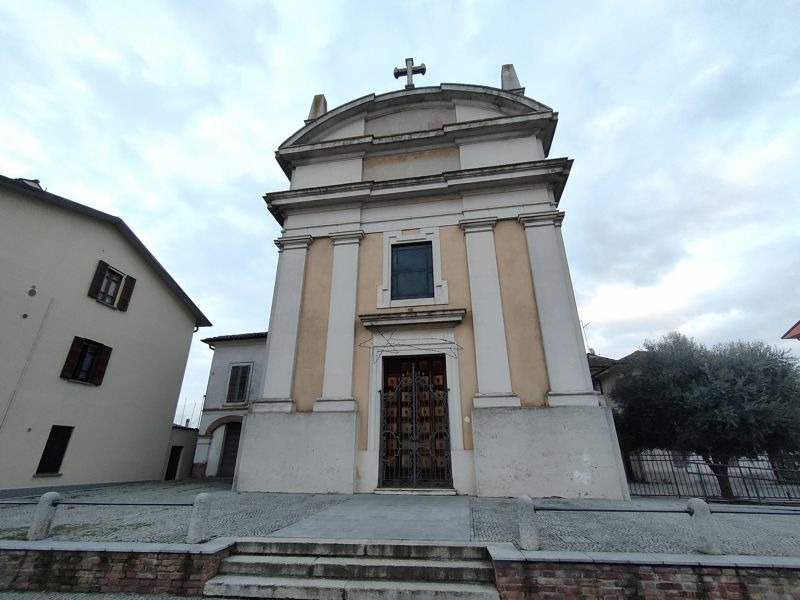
pixel 415 437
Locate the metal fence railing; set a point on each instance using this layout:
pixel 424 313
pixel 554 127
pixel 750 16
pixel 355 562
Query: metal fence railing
pixel 773 478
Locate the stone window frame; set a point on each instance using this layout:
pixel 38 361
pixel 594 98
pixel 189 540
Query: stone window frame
pixel 407 236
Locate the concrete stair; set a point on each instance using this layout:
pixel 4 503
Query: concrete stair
pixel 354 570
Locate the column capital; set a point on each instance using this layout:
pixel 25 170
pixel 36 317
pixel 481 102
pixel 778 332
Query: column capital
pixel 542 219
pixel 476 225
pixel 294 242
pixel 346 237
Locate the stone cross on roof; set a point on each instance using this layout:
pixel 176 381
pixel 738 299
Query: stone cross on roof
pixel 409 71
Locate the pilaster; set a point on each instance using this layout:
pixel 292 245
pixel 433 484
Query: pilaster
pixel 567 369
pixel 491 351
pixel 337 381
pixel 284 322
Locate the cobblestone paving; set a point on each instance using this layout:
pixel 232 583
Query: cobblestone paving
pixel 232 513
pixel 492 520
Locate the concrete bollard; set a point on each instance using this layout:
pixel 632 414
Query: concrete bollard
pixel 44 515
pixel 704 528
pixel 198 522
pixel 526 517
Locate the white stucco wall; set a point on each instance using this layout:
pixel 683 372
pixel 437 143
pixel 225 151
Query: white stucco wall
pixel 230 353
pixel 298 453
pixel 122 427
pixel 186 439
pixel 563 452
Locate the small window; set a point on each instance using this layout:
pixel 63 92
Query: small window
pixel 412 271
pixel 238 383
pixel 111 287
pixel 87 361
pixel 54 450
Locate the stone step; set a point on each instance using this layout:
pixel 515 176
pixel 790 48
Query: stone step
pixel 346 567
pixel 251 586
pixel 397 549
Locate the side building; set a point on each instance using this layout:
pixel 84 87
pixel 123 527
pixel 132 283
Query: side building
pixel 96 336
pixel 237 371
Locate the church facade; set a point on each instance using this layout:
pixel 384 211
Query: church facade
pixel 424 333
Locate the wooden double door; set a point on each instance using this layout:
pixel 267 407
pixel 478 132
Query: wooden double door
pixel 415 426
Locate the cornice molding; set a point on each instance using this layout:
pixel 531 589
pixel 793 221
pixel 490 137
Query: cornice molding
pixel 477 225
pixel 347 237
pixel 552 173
pixel 552 218
pixel 294 242
pixel 423 317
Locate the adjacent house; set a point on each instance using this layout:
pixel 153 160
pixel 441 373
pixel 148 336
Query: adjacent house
pixel 793 333
pixel 235 378
pixel 95 335
pixel 424 333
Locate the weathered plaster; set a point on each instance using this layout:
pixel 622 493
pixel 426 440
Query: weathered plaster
pixel 523 337
pixel 313 325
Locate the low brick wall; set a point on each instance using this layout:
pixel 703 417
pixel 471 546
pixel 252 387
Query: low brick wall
pixel 517 580
pixel 136 570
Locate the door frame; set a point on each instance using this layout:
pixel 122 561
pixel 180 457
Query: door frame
pixel 414 342
pixel 443 483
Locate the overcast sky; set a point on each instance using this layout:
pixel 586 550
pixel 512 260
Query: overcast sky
pixel 683 118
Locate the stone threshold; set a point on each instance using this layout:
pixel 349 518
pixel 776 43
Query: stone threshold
pixel 510 553
pixel 415 492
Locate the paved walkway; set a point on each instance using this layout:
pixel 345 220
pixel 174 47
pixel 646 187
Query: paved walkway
pixel 401 517
pixel 388 517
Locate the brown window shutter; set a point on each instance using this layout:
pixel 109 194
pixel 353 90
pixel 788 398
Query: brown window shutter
pixel 97 280
pixel 100 364
pixel 72 358
pixel 126 293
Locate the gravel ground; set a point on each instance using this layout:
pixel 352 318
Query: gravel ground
pixel 493 520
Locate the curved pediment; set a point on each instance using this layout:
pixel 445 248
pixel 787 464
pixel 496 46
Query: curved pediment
pixel 416 110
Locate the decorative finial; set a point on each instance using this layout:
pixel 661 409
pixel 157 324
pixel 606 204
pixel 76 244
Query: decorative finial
pixel 509 80
pixel 319 106
pixel 409 71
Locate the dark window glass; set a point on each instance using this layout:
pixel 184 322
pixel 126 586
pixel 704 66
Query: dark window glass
pixel 85 362
pixel 110 288
pixel 412 271
pixel 237 384
pixel 54 449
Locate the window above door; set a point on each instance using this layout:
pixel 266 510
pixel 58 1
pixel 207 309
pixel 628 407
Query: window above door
pixel 412 269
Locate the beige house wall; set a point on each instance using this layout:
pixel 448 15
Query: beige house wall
pixel 523 336
pixel 313 331
pixel 123 426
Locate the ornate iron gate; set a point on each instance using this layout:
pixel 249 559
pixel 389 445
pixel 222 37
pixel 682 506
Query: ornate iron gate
pixel 415 435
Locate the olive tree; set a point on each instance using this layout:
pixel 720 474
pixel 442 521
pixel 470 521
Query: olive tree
pixel 734 400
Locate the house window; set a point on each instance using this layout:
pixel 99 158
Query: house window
pixel 238 383
pixel 111 287
pixel 54 450
pixel 87 361
pixel 412 271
